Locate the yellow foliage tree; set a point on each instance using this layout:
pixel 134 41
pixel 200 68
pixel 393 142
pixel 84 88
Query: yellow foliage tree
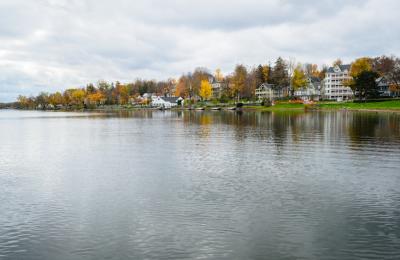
pixel 96 98
pixel 360 65
pixel 266 69
pixel 299 78
pixel 205 90
pixel 78 95
pixel 239 80
pixel 56 99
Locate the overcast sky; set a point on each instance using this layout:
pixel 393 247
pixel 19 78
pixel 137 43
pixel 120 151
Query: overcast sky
pixel 49 45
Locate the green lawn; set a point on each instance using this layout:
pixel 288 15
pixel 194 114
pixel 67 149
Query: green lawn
pixel 279 106
pixel 385 105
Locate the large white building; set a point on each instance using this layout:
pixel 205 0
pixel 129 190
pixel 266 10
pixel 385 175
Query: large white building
pixel 333 87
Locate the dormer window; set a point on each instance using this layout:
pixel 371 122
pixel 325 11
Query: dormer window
pixel 336 69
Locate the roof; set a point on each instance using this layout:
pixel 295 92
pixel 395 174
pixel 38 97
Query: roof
pixel 170 99
pixel 266 85
pixel 341 67
pixel 315 80
pixel 384 80
pixel 271 86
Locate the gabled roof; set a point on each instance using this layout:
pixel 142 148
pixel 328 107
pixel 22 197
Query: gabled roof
pixel 383 80
pixel 341 67
pixel 267 85
pixel 170 99
pixel 315 80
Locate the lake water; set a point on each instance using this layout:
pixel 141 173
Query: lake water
pixel 199 185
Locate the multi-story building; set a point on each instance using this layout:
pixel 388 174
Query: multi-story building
pixel 312 91
pixel 333 86
pixel 218 87
pixel 271 92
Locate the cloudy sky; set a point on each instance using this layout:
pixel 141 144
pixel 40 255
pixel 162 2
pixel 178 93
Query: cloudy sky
pixel 49 45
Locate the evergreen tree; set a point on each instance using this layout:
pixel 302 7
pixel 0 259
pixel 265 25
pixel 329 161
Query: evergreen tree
pixel 280 76
pixel 260 74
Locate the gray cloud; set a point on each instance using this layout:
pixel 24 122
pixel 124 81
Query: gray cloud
pixel 48 45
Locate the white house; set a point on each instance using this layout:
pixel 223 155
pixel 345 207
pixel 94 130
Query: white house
pixel 271 91
pixel 218 87
pixel 312 91
pixel 165 102
pixel 333 87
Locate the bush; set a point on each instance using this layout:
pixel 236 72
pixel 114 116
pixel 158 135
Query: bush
pixel 224 99
pixel 266 102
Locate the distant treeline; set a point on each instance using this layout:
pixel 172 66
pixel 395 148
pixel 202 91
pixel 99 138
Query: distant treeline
pixel 240 84
pixel 8 105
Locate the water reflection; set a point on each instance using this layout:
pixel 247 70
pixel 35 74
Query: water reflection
pixel 199 184
pixel 285 126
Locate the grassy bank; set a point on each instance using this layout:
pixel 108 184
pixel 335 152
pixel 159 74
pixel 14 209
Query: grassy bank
pixel 392 105
pixel 385 105
pixel 277 107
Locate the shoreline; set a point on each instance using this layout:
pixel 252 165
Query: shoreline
pixel 389 106
pixel 208 109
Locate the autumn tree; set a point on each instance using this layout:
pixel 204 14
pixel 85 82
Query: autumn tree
pixel 182 88
pixel 121 92
pixel 239 81
pixel 360 65
pixel 205 90
pixel 197 77
pixel 42 99
pixel 267 71
pixel 299 79
pixel 363 81
pixel 24 102
pixel 311 70
pixel 106 89
pixel 322 72
pixel 77 96
pixel 253 81
pixel 337 62
pixel 96 98
pixel 56 99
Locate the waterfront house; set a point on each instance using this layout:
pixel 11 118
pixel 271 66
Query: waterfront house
pixel 385 88
pixel 218 87
pixel 312 91
pixel 271 92
pixel 333 85
pixel 165 102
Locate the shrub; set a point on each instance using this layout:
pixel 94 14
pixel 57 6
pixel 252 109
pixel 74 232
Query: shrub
pixel 266 102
